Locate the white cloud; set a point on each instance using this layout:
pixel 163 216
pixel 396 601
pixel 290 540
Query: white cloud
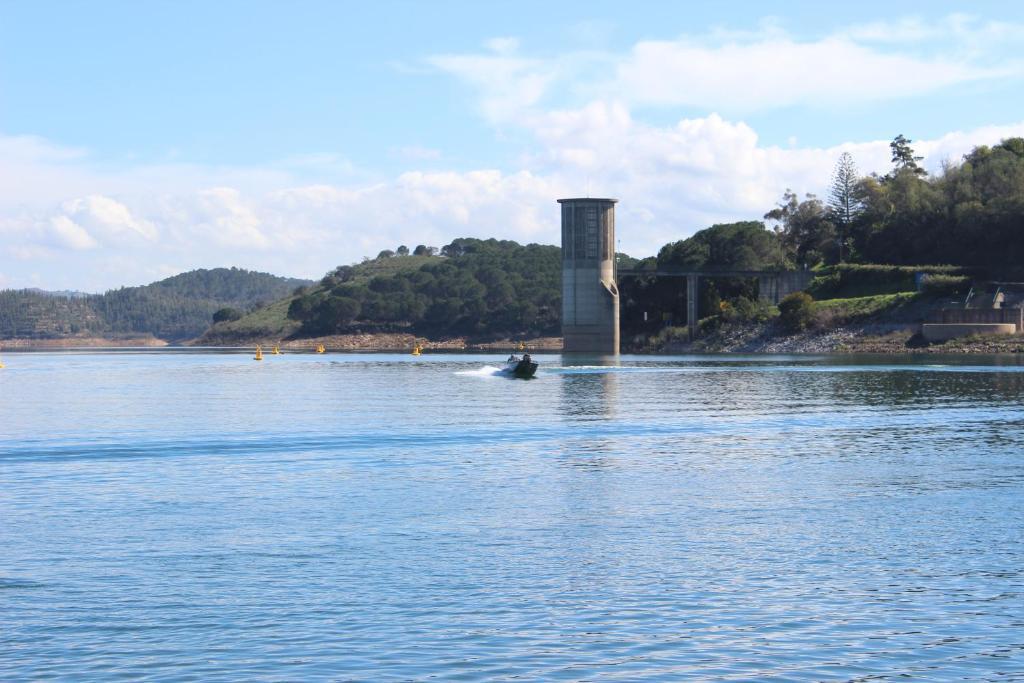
pixel 417 153
pixel 222 215
pixel 779 73
pixel 743 71
pixel 509 84
pixel 957 32
pixel 504 45
pixel 672 180
pixel 108 217
pixel 66 233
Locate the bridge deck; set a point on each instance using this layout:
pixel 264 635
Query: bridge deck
pixel 672 272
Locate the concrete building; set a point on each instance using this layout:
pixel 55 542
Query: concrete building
pixel 590 297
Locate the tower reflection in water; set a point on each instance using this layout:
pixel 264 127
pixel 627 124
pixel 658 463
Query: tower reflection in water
pixel 589 398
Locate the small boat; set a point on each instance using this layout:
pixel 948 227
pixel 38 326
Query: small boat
pixel 523 368
pixel 320 348
pixel 259 353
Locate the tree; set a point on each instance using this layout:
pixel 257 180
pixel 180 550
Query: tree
pixel 484 286
pixel 402 250
pixel 226 314
pixel 903 156
pixel 803 227
pixel 335 313
pixel 844 200
pixel 386 253
pixel 745 245
pixel 421 250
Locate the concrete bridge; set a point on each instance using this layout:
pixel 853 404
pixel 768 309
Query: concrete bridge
pixel 772 285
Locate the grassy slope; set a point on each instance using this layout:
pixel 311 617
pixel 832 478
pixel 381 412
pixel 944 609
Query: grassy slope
pixel 864 307
pixel 272 321
pixel 879 312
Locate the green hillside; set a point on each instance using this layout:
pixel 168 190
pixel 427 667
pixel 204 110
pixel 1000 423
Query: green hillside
pixel 475 288
pixel 175 309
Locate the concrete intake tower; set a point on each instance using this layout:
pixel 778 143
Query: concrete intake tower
pixel 590 297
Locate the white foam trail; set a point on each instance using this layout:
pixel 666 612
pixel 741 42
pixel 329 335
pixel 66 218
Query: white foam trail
pixel 485 371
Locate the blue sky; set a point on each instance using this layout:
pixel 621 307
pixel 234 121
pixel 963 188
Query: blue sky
pixel 141 139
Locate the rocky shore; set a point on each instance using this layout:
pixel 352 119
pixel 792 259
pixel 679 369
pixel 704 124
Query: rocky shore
pixel 751 338
pixel 405 342
pixel 876 338
pixel 80 343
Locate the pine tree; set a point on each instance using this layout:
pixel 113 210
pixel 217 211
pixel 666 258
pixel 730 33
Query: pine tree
pixel 843 199
pixel 903 155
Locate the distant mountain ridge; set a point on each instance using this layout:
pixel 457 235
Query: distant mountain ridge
pixel 175 309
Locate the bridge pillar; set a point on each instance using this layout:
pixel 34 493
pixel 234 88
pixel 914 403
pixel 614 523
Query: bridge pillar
pixel 590 297
pixel 692 305
pixel 768 288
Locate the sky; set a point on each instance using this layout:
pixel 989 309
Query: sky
pixel 140 140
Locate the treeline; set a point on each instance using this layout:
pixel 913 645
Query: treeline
pixel 178 308
pixel 480 287
pixel 968 217
pixel 968 214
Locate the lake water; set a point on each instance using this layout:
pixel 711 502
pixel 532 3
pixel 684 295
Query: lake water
pixel 201 516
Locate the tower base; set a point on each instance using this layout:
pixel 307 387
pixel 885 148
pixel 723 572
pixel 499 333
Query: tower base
pixel 590 339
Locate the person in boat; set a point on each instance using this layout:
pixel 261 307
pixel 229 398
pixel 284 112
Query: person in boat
pixel 512 359
pixel 526 357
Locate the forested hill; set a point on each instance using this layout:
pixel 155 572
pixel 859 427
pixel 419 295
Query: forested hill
pixel 472 288
pixel 175 309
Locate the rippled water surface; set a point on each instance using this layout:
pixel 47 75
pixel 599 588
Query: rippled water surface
pixel 200 516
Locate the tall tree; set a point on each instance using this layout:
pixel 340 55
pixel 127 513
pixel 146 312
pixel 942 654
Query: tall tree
pixel 803 227
pixel 903 156
pixel 844 200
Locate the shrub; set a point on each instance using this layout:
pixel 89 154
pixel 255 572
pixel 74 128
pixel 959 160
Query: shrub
pixel 945 284
pixel 796 311
pixel 668 335
pixel 867 279
pixel 744 310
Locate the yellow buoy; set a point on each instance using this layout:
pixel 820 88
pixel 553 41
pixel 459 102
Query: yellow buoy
pixel 259 353
pixel 417 349
pixel 522 346
pixel 277 350
pixel 320 348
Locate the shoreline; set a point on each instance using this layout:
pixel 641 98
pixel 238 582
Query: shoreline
pixel 754 340
pixel 81 343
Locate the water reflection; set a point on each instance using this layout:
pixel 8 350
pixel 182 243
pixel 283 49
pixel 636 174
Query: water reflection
pixel 586 390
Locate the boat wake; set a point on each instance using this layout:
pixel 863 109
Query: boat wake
pixel 485 371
